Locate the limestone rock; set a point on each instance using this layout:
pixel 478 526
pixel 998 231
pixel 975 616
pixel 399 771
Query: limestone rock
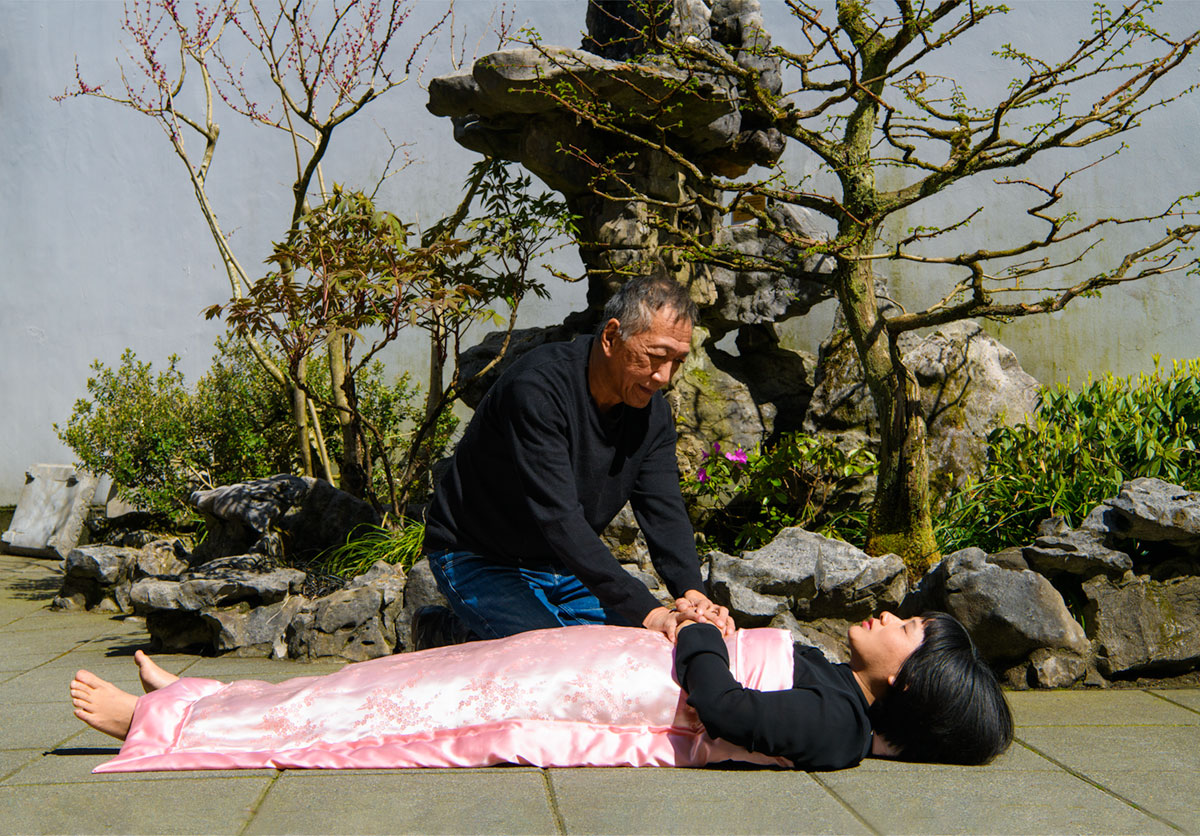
pixel 1060 550
pixel 809 575
pixel 215 588
pixel 1008 613
pixel 305 516
pixel 1052 668
pixel 970 384
pixel 1144 626
pixel 1155 511
pixel 420 591
pixel 243 630
pixel 97 577
pixel 50 512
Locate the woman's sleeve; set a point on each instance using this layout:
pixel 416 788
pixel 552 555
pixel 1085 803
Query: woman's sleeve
pixel 809 726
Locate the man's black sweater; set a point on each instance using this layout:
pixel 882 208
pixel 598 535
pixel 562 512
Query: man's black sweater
pixel 540 473
pixel 820 723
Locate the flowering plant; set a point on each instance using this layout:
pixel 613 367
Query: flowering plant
pixel 741 499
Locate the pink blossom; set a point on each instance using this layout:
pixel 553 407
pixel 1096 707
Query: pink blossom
pixel 738 456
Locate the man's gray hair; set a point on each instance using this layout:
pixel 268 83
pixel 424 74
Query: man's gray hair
pixel 637 301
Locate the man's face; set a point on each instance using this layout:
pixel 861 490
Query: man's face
pixel 644 363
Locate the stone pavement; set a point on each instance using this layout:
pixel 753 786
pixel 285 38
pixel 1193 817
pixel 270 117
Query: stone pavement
pixel 1118 761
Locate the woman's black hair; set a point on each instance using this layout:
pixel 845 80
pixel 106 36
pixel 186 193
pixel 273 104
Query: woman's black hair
pixel 945 705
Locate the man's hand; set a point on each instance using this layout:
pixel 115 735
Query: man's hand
pixel 696 606
pixel 665 621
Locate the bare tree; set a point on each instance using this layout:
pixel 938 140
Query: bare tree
pixel 320 65
pixel 866 105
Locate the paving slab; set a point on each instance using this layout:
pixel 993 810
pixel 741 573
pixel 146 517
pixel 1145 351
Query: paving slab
pixel 687 801
pixel 1189 698
pixel 73 762
pixel 1172 794
pixel 1119 748
pixel 214 807
pixel 513 801
pixel 979 801
pixel 1100 708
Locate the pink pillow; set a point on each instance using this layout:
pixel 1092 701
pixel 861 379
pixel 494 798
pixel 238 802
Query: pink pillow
pixel 575 696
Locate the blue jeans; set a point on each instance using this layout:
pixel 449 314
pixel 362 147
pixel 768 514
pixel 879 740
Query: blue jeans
pixel 495 600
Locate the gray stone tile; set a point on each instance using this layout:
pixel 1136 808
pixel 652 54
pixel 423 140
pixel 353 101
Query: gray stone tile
pixel 1189 697
pixel 696 801
pixel 407 801
pixel 51 685
pixel 226 668
pixel 73 764
pixel 1095 708
pixel 29 725
pixel 213 806
pixel 1172 794
pixel 1016 759
pixel 1119 748
pixel 983 801
pixel 12 760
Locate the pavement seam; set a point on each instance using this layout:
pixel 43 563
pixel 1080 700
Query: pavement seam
pixel 559 825
pixel 262 796
pixel 1113 793
pixel 849 809
pixel 1171 701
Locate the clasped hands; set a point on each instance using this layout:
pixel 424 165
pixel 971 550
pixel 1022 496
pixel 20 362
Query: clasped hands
pixel 693 607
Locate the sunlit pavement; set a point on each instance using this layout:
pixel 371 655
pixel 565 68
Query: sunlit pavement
pixel 1116 761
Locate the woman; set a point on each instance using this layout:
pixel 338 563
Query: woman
pixel 581 696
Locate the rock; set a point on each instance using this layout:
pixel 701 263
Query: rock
pixel 1154 511
pixel 214 588
pixel 1052 668
pixel 301 515
pixel 1009 613
pixel 162 558
pixel 750 297
pixel 420 591
pixel 834 649
pixel 50 512
pixel 347 623
pixel 1142 626
pixel 1059 550
pixel 242 630
pixel 97 577
pixel 809 575
pixel 970 385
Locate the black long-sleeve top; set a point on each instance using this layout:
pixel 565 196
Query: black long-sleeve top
pixel 540 472
pixel 820 723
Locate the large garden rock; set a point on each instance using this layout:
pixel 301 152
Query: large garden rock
pixel 420 590
pixel 1083 552
pixel 1142 626
pixel 298 515
pixel 970 385
pixel 1009 613
pixel 1154 511
pixel 242 630
pixel 806 574
pixel 100 577
pixel 50 512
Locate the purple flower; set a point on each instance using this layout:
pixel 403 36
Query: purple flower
pixel 702 475
pixel 716 447
pixel 738 456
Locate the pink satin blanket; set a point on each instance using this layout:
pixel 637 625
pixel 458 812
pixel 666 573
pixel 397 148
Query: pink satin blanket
pixel 574 696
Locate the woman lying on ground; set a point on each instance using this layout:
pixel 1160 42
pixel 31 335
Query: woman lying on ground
pixel 581 696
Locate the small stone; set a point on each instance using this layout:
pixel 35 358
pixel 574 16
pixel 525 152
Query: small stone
pixel 1051 668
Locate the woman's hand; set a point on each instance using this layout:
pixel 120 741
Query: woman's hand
pixel 696 606
pixel 665 621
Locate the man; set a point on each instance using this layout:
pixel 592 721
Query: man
pixel 556 448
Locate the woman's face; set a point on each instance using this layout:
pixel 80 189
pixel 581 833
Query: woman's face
pixel 879 646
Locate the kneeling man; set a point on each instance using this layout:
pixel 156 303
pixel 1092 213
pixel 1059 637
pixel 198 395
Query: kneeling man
pixel 568 435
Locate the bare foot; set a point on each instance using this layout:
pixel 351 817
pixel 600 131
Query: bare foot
pixel 153 677
pixel 102 705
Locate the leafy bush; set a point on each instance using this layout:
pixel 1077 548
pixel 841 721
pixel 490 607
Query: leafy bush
pixel 159 440
pixel 741 499
pixel 1076 452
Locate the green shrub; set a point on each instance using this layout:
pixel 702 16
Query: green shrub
pixel 159 441
pixel 741 499
pixel 1076 452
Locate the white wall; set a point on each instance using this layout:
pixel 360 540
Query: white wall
pixel 104 248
